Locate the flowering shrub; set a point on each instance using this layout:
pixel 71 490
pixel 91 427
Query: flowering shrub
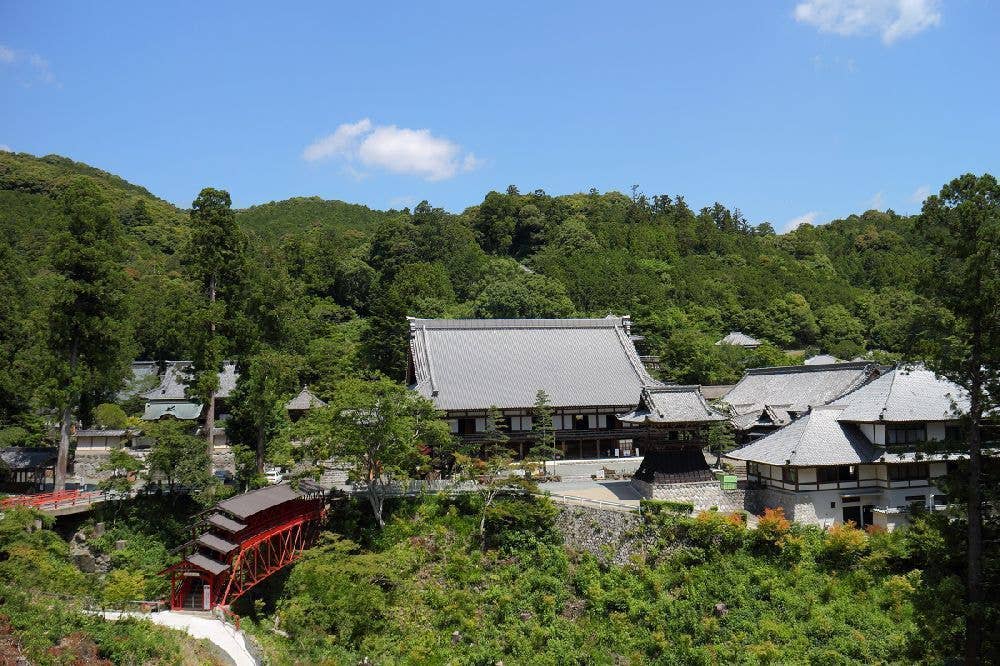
pixel 772 525
pixel 844 544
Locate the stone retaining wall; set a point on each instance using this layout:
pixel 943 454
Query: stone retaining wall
pixel 611 536
pixel 704 496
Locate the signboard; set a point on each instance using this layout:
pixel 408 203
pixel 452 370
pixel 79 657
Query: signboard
pixel 206 597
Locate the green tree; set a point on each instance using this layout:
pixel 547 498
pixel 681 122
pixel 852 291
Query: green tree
pixel 268 381
pixel 214 255
pixel 86 347
pixel 543 447
pixel 962 226
pixel 517 293
pixel 123 468
pixel 380 429
pixel 177 456
pixel 842 334
pixel 721 439
pixel 110 415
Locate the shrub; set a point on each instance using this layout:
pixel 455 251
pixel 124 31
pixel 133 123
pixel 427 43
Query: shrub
pixel 655 507
pixel 844 544
pixel 716 531
pixel 772 525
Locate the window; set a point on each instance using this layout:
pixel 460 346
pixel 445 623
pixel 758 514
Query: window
pixel 519 423
pixel 579 422
pixel 838 473
pixel 905 434
pixel 852 499
pixel 466 426
pixel 915 498
pixel 753 468
pixel 954 434
pixel 909 472
pixel 790 474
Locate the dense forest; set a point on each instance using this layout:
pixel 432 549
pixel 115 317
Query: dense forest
pixel 96 272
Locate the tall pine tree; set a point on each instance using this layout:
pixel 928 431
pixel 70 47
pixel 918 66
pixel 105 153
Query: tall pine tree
pixel 214 257
pixel 88 344
pixel 962 226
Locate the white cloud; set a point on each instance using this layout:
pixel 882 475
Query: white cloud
pixel 4 148
pixel 920 194
pixel 35 63
pixel 805 218
pixel 414 152
pixel 342 142
pixel 877 201
pixel 891 19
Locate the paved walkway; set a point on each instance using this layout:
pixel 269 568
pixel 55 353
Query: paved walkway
pixel 225 636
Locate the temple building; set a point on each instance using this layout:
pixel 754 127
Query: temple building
pixel 169 399
pixel 766 399
pixel 675 422
pixel 866 457
pixel 589 368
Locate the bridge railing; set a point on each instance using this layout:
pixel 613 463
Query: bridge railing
pixel 56 500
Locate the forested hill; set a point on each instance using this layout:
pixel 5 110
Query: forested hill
pixel 331 283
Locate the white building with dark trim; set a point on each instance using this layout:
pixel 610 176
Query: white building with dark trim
pixel 867 457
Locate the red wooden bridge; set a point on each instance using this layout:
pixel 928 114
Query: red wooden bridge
pixel 241 541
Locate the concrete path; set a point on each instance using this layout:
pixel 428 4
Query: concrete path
pixel 225 636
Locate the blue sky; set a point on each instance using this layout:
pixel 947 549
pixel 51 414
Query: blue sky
pixel 799 110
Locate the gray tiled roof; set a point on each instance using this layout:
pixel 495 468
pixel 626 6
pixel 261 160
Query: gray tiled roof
pixel 905 394
pixel 817 438
pixel 215 543
pixel 821 359
pixel 672 404
pixel 245 505
pixel 717 391
pixel 207 564
pixel 20 457
pixel 225 523
pixel 304 400
pixel 101 432
pixel 739 339
pixel 476 363
pixel 796 387
pixel 172 384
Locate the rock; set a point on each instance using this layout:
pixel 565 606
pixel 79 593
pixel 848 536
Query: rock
pixel 456 637
pixel 85 562
pixel 526 615
pixel 98 529
pixel 120 544
pixel 720 610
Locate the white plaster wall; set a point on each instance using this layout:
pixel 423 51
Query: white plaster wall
pixel 879 434
pixel 938 469
pixel 807 475
pixel 867 472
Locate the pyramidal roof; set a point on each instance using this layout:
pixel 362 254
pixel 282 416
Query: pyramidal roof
pixel 306 399
pixel 739 339
pixel 818 438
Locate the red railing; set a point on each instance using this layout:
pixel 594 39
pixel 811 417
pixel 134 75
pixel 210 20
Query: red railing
pixel 56 500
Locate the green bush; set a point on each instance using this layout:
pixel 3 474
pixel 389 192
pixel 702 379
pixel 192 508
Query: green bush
pixel 655 506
